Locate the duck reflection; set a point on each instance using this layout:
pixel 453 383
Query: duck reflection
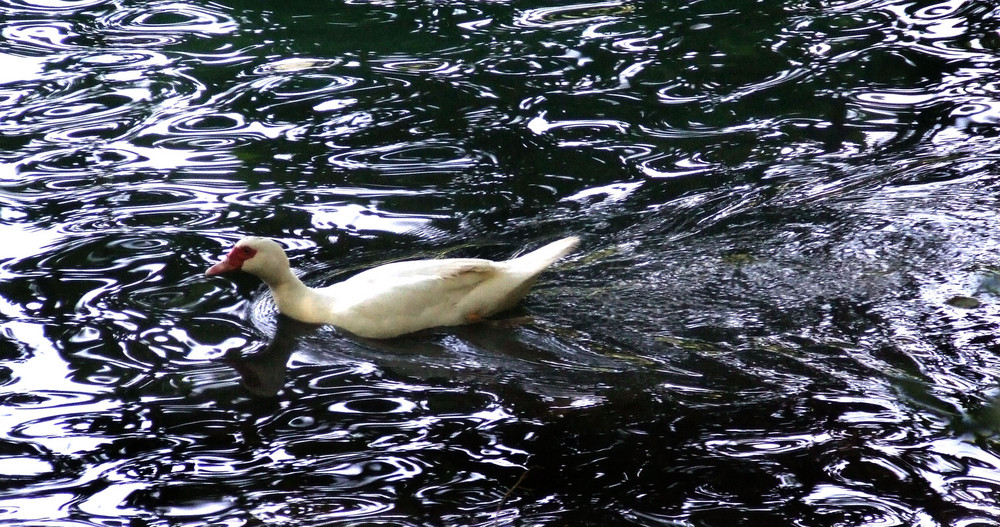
pixel 493 352
pixel 263 373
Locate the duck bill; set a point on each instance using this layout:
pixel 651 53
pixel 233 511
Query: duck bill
pixel 220 268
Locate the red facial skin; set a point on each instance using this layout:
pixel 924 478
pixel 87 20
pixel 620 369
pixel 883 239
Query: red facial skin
pixel 234 260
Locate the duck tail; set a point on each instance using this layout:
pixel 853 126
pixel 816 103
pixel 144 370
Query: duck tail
pixel 545 256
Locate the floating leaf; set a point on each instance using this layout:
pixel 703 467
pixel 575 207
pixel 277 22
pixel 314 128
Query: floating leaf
pixel 964 302
pixel 738 259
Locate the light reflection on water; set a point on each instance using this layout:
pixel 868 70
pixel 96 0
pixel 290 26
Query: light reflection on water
pixel 780 206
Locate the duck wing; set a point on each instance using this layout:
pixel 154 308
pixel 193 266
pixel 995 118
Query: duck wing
pixel 448 273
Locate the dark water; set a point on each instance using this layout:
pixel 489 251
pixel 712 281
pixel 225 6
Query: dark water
pixel 783 313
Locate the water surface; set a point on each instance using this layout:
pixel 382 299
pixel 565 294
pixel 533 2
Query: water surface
pixel 783 310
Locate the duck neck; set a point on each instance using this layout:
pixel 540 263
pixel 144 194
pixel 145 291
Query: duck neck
pixel 295 299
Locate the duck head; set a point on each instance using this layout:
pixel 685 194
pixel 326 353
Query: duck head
pixel 262 257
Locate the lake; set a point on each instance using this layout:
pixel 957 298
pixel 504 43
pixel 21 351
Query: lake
pixel 783 311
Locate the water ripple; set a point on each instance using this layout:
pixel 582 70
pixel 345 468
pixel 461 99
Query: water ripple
pixel 550 17
pixel 857 508
pixel 63 7
pixel 765 445
pixel 209 136
pixel 37 37
pixel 164 23
pixel 291 506
pixel 408 158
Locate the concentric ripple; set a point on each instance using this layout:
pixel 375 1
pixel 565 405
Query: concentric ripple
pixel 165 22
pixel 574 14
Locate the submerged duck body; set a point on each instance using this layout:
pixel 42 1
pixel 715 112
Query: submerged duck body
pixel 396 298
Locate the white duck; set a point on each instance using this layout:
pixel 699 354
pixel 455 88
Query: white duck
pixel 396 298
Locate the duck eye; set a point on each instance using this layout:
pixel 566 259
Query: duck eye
pixel 246 250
